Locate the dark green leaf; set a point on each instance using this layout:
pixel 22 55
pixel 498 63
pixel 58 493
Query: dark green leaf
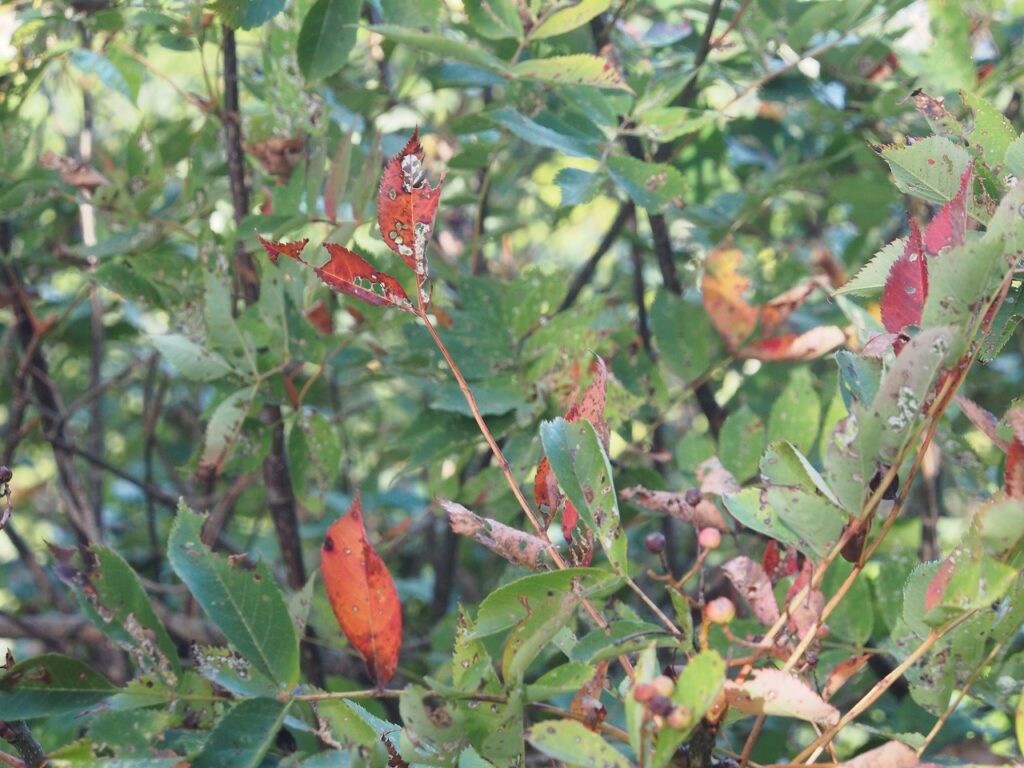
pixel 246 604
pixel 246 14
pixel 327 37
pixel 244 735
pixel 50 685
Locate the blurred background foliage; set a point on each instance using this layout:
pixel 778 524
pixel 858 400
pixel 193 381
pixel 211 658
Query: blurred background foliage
pixel 574 220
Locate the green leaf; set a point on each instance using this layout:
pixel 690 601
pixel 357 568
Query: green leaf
pixel 350 723
pixel 992 132
pixel 887 423
pixel 741 441
pixel 509 604
pixel 585 475
pixel 50 685
pixel 567 19
pixel 930 169
pixel 123 279
pixel 575 69
pixel 97 64
pixel 494 19
pixel 225 425
pixel 540 135
pixel 572 742
pixel 796 412
pixel 243 736
pixel 246 604
pixel 696 689
pixel 858 378
pixel 577 186
pixel 112 595
pixel 843 466
pixel 232 672
pixel 327 37
pixel 685 337
pixel 621 637
pixel 653 186
pixel 426 719
pixel 1015 157
pixel 662 124
pixel 567 678
pixel 817 523
pixel 246 14
pixel 1005 225
pixel 192 361
pixel 872 276
pixel 961 282
pixel 751 508
pixel 531 635
pixel 849 622
pixel 1018 721
pixel 783 464
pixel 442 46
pixel 1001 523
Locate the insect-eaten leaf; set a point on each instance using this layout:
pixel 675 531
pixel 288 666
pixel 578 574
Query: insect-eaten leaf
pixel 517 547
pixel 407 205
pixel 362 594
pixel 751 581
pixel 703 514
pixel 347 272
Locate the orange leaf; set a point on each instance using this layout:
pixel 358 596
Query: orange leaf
pixel 723 290
pixel 790 346
pixel 586 705
pixel 277 250
pixel 350 273
pixel 362 594
pixel 842 672
pixel 407 204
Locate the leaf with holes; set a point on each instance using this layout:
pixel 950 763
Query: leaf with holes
pixel 362 594
pixel 347 272
pixel 407 205
pixel 245 603
pixel 585 474
pixel 906 287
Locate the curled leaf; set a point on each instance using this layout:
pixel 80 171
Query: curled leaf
pixel 843 671
pixel 586 704
pixel 517 547
pixel 774 692
pixel 751 581
pixel 704 514
pixel 362 594
pixel 407 205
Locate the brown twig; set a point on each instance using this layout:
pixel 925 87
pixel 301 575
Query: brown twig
pixel 732 24
pixel 276 474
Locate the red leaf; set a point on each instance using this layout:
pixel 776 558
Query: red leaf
pixel 350 273
pixel 319 316
pixel 407 204
pixel 362 594
pixel 937 589
pixel 723 288
pixel 842 672
pixel 591 407
pixel 906 287
pixel 949 227
pixel 276 250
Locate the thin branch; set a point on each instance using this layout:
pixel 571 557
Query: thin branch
pixel 586 272
pixel 18 735
pixel 276 474
pixel 51 406
pixel 732 24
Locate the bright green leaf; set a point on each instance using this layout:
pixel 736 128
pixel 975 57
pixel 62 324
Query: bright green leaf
pixel 572 742
pixel 575 69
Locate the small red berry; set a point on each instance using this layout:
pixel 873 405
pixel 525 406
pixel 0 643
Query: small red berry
pixel 710 538
pixel 720 610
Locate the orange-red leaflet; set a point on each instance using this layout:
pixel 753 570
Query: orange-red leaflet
pixel 362 594
pixel 407 204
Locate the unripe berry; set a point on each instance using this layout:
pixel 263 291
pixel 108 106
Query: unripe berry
pixel 679 718
pixel 644 692
pixel 710 538
pixel 655 543
pixel 720 610
pixel 663 685
pixel 692 497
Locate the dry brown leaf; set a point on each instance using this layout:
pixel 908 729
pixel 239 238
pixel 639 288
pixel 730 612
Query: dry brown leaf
pixel 843 671
pixel 716 479
pixel 586 705
pixel 278 155
pixel 704 515
pixel 774 692
pixel 74 172
pixel 514 545
pixel 751 581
